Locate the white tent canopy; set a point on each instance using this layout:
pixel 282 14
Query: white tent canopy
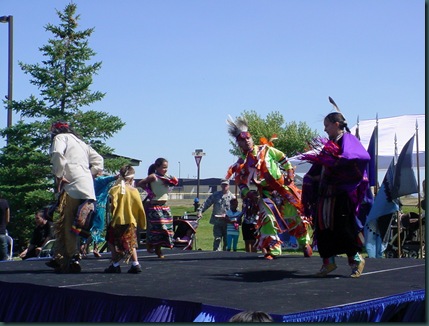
pixel 404 127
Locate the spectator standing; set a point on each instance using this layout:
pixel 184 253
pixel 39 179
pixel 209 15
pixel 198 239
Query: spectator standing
pixel 4 221
pixel 41 235
pixel 233 219
pixel 160 221
pixel 221 204
pixel 127 213
pixel 73 164
pixel 196 204
pixel 333 190
pixel 249 220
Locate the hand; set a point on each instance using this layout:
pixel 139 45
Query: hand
pixel 60 183
pixel 290 177
pixel 62 180
pixel 256 181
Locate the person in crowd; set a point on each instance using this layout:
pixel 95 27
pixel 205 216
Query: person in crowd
pixel 102 185
pixel 249 221
pixel 251 317
pixel 160 220
pixel 196 204
pixel 73 164
pixel 333 190
pixel 4 221
pixel 127 214
pixel 233 220
pixel 42 233
pixel 280 200
pixel 221 204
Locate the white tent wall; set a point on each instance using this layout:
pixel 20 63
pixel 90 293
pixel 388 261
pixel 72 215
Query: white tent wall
pixel 404 127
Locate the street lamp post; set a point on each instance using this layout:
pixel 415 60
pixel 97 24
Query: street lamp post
pixel 9 20
pixel 179 170
pixel 198 154
pixel 179 177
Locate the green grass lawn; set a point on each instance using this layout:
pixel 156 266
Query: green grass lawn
pixel 205 229
pixel 204 233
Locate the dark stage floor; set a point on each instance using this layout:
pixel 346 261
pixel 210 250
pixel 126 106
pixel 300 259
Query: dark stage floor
pixel 236 280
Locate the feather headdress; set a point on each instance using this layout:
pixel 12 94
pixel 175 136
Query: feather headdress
pixel 235 128
pixel 331 100
pixel 339 116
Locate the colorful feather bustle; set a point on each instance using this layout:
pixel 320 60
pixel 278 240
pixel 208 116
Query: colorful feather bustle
pixel 324 152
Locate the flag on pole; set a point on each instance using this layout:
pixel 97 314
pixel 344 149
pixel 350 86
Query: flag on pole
pixel 384 204
pixel 404 180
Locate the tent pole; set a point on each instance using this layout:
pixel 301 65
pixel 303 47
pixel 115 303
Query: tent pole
pixel 376 157
pixel 418 193
pixel 399 225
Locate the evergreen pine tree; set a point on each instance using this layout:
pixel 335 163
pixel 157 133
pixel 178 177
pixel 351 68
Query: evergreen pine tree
pixel 63 79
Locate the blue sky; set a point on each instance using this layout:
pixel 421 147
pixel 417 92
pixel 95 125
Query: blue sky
pixel 173 70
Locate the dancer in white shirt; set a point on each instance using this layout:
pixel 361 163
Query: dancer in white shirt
pixel 73 164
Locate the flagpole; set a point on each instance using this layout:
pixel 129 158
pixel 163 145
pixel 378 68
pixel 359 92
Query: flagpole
pixel 376 156
pixel 396 148
pixel 398 216
pixel 357 128
pixel 418 191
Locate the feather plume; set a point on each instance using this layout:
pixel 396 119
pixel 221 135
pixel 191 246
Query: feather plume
pixel 236 127
pixel 334 104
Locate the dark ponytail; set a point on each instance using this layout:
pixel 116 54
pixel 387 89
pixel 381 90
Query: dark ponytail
pixel 158 162
pixel 338 117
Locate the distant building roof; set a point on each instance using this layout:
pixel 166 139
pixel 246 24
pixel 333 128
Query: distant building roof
pixel 193 182
pixel 207 182
pixel 133 161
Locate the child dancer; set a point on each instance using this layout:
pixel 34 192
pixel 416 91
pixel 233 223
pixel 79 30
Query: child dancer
pixel 160 221
pixel 233 218
pixel 127 213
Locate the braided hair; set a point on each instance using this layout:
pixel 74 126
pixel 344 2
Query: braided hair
pixel 338 117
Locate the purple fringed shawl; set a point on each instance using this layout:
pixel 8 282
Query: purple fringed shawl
pixel 344 170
